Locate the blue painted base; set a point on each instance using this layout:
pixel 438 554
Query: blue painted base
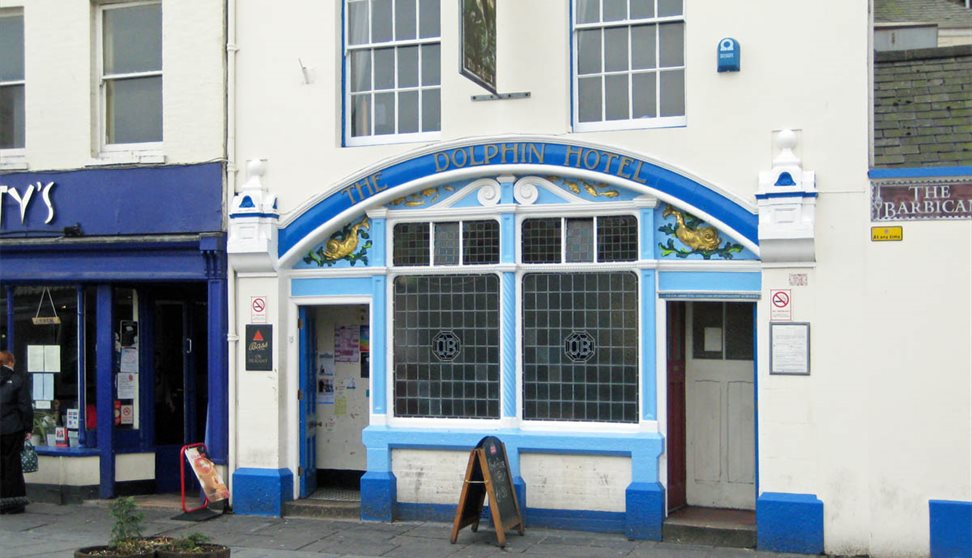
pixel 645 505
pixel 789 523
pixel 579 520
pixel 950 529
pixel 519 486
pixel 262 491
pixel 378 492
pixel 444 513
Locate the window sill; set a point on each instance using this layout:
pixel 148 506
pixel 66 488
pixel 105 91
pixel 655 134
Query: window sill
pixel 66 452
pixel 640 124
pixel 392 139
pixel 128 157
pixel 14 159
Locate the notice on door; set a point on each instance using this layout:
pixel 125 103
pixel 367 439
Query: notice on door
pixel 790 348
pixel 259 347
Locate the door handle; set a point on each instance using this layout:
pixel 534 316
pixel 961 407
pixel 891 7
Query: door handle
pixel 188 346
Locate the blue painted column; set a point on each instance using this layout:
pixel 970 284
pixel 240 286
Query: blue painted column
pixel 379 487
pixel 649 385
pixel 217 421
pixel 105 401
pixel 379 345
pixel 10 319
pixel 378 244
pixel 82 396
pixel 647 229
pixel 508 299
pixel 509 344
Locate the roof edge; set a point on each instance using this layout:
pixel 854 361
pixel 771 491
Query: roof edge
pixel 923 54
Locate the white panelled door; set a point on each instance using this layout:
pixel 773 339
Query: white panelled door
pixel 720 438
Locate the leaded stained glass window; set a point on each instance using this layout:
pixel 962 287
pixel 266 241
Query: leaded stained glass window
pixel 580 346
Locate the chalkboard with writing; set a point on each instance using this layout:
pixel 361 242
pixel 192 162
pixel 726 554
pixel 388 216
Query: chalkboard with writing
pixel 488 474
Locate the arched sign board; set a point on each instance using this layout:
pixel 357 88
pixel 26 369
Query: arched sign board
pixel 488 474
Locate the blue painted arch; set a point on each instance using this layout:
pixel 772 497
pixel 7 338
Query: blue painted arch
pixel 521 156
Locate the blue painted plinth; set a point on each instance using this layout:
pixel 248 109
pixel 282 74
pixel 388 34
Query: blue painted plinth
pixel 645 511
pixel 378 492
pixel 950 529
pixel 519 486
pixel 262 491
pixel 789 523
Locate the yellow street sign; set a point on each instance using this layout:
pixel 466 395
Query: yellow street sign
pixel 884 234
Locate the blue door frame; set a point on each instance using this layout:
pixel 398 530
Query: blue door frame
pixel 307 404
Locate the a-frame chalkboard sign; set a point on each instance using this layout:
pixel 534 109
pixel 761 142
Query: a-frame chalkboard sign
pixel 488 473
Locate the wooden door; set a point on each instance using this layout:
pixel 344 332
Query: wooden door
pixel 675 442
pixel 720 414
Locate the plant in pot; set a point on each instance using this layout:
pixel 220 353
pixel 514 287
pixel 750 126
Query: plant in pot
pixel 126 535
pixel 44 424
pixel 193 545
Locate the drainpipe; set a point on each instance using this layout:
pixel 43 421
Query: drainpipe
pixel 232 337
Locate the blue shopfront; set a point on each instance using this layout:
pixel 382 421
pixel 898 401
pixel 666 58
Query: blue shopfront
pixel 591 307
pixel 113 299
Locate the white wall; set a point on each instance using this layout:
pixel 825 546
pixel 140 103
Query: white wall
pixel 882 424
pixel 261 409
pixel 429 477
pixel 575 482
pixel 788 80
pixel 62 86
pixel 66 471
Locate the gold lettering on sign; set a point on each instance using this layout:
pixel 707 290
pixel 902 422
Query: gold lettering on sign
pixel 364 188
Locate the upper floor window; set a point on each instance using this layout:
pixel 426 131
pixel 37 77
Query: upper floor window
pixel 629 64
pixel 446 243
pixel 131 72
pixel 392 87
pixel 11 81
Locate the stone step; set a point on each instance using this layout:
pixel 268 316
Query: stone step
pixel 330 509
pixel 713 527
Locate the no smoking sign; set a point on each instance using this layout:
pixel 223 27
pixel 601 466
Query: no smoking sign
pixel 780 305
pixel 258 309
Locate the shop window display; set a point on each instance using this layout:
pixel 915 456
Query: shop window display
pixel 45 343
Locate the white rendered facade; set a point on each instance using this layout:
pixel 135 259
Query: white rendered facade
pixel 880 426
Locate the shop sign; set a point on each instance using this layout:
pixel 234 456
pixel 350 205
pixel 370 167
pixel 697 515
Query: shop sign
pixel 259 347
pixel 921 201
pixel 478 31
pixel 572 156
pixel 25 195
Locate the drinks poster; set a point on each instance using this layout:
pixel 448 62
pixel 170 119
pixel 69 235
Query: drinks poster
pixel 208 474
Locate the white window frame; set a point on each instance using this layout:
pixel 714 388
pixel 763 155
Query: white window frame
pixel 115 153
pixel 15 158
pixel 432 222
pixel 564 217
pixel 373 139
pixel 625 124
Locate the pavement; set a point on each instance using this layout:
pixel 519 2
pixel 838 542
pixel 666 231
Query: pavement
pixel 51 530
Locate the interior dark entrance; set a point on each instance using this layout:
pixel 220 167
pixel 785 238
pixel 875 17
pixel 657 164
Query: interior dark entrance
pixel 181 372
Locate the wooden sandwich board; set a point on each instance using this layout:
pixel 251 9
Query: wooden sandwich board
pixel 488 474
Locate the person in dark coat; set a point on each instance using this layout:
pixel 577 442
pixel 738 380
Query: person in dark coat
pixel 16 425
